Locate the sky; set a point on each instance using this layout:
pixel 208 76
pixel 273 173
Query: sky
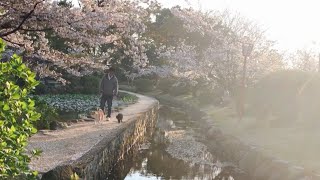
pixel 293 24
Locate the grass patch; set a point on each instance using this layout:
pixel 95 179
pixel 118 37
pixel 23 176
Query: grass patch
pixel 127 88
pixel 128 98
pixel 295 144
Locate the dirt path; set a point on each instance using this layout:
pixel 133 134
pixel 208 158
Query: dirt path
pixel 67 145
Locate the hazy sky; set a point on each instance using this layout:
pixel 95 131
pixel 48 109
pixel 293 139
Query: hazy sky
pixel 292 23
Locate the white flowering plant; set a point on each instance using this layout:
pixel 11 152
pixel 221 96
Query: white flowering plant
pixel 81 103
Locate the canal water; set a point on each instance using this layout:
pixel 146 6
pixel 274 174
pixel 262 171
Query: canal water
pixel 175 151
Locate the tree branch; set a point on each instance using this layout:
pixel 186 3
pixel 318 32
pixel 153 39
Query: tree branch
pixel 100 3
pixel 22 22
pixel 12 42
pixel 32 30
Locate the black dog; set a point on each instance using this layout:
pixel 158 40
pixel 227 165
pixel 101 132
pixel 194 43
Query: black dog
pixel 119 117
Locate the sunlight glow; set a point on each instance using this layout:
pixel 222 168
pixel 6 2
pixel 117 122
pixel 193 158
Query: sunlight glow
pixel 291 23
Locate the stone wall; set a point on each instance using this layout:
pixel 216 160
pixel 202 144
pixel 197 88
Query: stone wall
pixel 248 158
pixel 99 161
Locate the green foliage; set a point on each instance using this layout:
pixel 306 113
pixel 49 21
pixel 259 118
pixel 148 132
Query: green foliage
pixel 41 89
pixel 17 115
pixel 210 97
pixel 165 85
pixel 74 86
pixel 167 29
pixel 128 98
pixel 127 88
pixel 48 114
pixel 144 85
pixel 90 84
pixel 65 3
pixel 179 90
pixel 57 42
pixel 287 95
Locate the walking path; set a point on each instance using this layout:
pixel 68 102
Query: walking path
pixel 67 145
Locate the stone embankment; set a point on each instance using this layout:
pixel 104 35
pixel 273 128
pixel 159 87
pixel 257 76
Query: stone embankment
pixel 91 150
pixel 247 157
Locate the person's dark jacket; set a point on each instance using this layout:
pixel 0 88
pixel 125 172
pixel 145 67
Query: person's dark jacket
pixel 109 86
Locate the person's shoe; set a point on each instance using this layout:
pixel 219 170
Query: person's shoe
pixel 108 118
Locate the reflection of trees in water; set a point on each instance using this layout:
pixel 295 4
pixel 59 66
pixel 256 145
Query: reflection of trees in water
pixel 131 160
pixel 229 173
pixel 161 164
pixel 157 162
pixel 171 117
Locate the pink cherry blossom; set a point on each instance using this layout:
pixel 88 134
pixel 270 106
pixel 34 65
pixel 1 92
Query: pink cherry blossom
pixel 25 24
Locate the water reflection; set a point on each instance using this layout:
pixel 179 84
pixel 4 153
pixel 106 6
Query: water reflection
pixel 156 163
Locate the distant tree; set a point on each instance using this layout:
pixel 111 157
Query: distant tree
pixel 305 60
pixel 219 59
pixel 65 3
pixel 287 96
pixel 166 29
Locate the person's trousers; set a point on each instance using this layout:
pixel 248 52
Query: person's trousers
pixel 108 99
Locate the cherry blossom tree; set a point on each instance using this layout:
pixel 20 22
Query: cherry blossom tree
pixel 85 30
pixel 305 60
pixel 217 56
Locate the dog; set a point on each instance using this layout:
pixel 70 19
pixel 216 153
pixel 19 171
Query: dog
pixel 98 116
pixel 119 117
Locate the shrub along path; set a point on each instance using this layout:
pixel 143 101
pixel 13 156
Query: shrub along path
pixel 67 145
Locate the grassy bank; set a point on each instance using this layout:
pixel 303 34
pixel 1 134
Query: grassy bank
pixel 292 142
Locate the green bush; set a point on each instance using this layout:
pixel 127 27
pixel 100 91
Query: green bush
pixel 17 115
pixel 144 85
pixel 128 98
pixel 90 84
pixel 41 89
pixel 179 90
pixel 74 85
pixel 210 97
pixel 165 85
pixel 127 88
pixel 286 95
pixel 48 114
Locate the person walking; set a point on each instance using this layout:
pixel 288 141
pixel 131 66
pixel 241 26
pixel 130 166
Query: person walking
pixel 108 89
